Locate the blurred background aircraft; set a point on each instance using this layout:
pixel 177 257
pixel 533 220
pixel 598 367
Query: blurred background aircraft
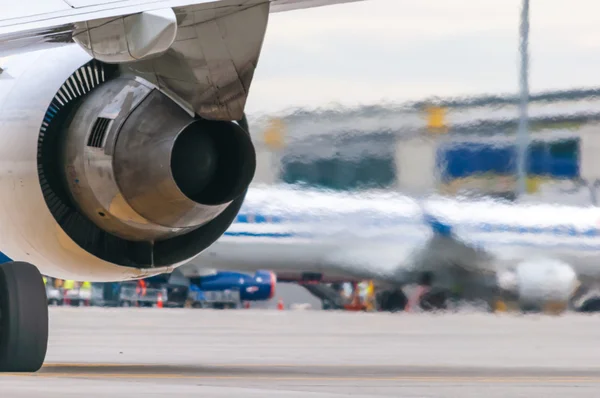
pixel 433 108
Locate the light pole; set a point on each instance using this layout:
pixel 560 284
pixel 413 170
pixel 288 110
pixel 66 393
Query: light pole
pixel 522 139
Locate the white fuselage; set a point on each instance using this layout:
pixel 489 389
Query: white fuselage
pixel 345 236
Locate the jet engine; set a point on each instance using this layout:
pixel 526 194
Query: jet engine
pixel 257 287
pixel 541 283
pixel 118 177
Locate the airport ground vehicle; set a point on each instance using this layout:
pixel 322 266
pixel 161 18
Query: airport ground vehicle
pixel 127 294
pixel 225 299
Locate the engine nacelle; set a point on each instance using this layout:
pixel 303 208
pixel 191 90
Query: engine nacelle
pixel 103 177
pixel 257 287
pixel 542 282
pixel 141 168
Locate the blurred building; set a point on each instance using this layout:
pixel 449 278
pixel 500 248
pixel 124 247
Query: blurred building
pixel 446 146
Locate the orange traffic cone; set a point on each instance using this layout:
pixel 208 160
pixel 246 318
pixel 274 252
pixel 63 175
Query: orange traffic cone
pixel 280 305
pixel 159 301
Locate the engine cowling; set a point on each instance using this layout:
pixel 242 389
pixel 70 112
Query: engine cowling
pixel 257 287
pixel 139 167
pixel 542 282
pixel 104 177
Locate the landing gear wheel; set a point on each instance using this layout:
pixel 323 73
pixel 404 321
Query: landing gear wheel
pixel 23 318
pixel 434 301
pixel 392 301
pixel 591 305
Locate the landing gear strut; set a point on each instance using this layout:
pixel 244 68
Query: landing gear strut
pixel 23 318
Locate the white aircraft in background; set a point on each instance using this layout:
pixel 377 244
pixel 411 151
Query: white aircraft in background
pixel 124 148
pixel 540 254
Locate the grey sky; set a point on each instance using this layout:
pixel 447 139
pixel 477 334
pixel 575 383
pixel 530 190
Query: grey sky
pixel 398 50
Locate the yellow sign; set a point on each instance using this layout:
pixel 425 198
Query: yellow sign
pixel 489 182
pixel 273 135
pixel 533 184
pixel 436 119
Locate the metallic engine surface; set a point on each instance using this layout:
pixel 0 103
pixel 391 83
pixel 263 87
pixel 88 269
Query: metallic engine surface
pixel 30 232
pixel 129 38
pixel 89 172
pixel 211 63
pixel 120 149
pixel 144 159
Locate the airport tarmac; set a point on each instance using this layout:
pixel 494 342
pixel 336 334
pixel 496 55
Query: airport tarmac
pixel 98 352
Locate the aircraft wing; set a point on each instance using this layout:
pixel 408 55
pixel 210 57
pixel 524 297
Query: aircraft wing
pixel 201 53
pixel 431 247
pixel 36 24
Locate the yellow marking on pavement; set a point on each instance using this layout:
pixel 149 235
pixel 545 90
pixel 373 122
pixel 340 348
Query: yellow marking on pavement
pixel 438 379
pixel 228 365
pixel 200 372
pixel 97 365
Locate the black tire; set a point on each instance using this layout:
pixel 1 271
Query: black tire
pixel 398 301
pixel 591 305
pixel 434 301
pixel 23 318
pixel 392 301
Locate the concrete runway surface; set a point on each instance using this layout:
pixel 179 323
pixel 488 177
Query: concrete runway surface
pixel 97 352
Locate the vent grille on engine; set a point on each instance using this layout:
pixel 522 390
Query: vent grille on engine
pixel 81 82
pixel 96 138
pixel 54 178
pixel 87 235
